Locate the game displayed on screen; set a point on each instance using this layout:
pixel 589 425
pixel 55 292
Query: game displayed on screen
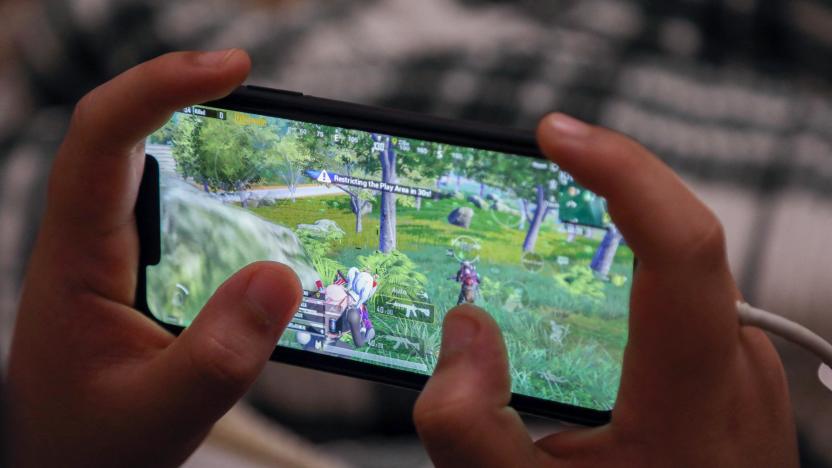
pixel 386 235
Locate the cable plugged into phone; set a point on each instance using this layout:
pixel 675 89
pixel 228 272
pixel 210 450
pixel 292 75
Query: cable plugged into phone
pixel 825 375
pixel 793 332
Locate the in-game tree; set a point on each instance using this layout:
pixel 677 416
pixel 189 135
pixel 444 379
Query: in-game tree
pixel 185 135
pixel 345 152
pixel 475 165
pixel 402 161
pixel 287 163
pixel 349 155
pixel 421 165
pixel 383 146
pixel 535 184
pixel 222 155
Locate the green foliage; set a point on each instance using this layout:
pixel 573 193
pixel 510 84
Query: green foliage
pixel 204 243
pixel 317 245
pixel 334 207
pixel 418 169
pixel 506 295
pixel 580 373
pixel 396 273
pixel 409 202
pixel 186 145
pixel 354 160
pixel 222 155
pixel 287 161
pixel 328 268
pixel 580 281
pixel 164 135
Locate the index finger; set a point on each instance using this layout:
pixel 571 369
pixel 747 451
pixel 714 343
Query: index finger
pixel 683 328
pixel 661 219
pixel 96 173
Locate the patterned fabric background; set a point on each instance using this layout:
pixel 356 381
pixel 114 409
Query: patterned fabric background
pixel 733 94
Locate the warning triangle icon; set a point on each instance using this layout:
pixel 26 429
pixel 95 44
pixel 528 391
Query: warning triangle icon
pixel 323 178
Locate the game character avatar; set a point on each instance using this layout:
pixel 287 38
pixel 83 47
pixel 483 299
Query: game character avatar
pixel 346 298
pixel 469 282
pixel 344 304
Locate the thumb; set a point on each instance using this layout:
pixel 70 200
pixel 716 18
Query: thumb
pixel 212 363
pixel 462 416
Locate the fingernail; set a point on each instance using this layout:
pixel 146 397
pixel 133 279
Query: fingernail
pixel 568 126
pixel 457 333
pixel 214 58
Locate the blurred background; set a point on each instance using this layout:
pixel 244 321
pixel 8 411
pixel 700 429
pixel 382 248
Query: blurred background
pixel 733 94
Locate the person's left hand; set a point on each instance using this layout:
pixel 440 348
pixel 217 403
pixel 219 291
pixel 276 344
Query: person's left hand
pixel 92 381
pixel 696 389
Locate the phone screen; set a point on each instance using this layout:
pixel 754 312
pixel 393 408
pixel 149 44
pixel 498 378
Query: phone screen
pixel 386 234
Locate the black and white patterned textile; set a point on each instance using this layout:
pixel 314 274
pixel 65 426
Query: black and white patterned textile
pixel 734 94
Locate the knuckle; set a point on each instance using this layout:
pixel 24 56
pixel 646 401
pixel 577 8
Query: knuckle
pixel 422 413
pixel 216 362
pixel 766 357
pixel 708 242
pixel 440 420
pixel 425 414
pixel 453 427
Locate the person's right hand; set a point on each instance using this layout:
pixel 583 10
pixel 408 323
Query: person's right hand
pixel 697 389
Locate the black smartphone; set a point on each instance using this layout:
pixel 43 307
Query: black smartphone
pixel 389 220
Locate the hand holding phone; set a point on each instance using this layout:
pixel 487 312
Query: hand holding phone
pixel 92 382
pixel 697 389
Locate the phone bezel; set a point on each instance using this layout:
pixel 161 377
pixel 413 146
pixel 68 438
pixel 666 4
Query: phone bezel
pixel 293 105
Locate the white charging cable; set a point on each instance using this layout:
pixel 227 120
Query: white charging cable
pixel 793 332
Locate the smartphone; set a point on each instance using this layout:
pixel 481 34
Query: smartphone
pixel 389 219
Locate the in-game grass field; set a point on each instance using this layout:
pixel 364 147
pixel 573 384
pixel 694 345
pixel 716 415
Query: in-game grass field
pixel 565 329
